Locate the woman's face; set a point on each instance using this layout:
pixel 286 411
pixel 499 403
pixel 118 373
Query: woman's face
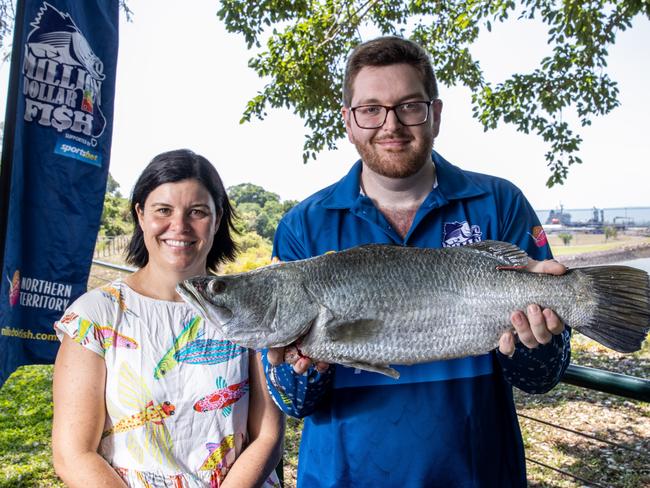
pixel 179 221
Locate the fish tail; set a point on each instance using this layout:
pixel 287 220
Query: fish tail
pixel 622 317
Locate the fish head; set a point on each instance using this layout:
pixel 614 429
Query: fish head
pixel 267 307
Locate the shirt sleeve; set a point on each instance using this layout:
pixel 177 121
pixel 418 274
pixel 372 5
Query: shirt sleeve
pixel 296 395
pixel 540 369
pixel 81 322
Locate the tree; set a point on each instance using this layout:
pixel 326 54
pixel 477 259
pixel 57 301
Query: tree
pixel 258 210
pixel 249 193
pixel 116 214
pixel 7 21
pixel 306 42
pixel 610 232
pixel 566 238
pixel 112 186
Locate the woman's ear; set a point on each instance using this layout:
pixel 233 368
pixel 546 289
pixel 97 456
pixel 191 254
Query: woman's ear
pixel 140 213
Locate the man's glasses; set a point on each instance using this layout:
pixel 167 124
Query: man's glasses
pixel 408 114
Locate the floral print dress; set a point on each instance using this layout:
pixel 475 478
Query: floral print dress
pixel 176 392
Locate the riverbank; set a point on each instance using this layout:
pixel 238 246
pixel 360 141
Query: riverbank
pixel 623 253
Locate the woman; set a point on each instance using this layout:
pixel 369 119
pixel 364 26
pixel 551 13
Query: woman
pixel 146 393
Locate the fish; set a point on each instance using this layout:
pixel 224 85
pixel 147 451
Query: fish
pixel 110 337
pixel 223 398
pixel 208 351
pixel 377 305
pixel 217 453
pixel 187 335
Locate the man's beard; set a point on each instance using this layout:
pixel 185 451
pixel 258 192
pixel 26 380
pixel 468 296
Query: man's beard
pixel 398 164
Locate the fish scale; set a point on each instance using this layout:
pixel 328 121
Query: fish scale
pixel 377 305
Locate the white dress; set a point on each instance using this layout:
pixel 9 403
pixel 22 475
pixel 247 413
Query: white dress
pixel 176 392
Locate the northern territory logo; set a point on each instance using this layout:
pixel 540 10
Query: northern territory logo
pixel 14 288
pixel 62 76
pixel 460 234
pixel 539 236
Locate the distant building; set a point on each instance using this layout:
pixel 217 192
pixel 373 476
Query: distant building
pixel 559 217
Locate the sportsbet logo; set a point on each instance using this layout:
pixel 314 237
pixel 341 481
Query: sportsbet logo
pixel 66 148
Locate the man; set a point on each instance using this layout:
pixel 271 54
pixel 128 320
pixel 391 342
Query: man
pixel 446 423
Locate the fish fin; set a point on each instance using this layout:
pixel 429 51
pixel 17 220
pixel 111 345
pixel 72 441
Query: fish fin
pixel 337 329
pixel 506 253
pixel 221 382
pixel 374 368
pixel 226 411
pixel 622 317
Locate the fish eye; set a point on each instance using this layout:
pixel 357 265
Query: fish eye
pixel 217 286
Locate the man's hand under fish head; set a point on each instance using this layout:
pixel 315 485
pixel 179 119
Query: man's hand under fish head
pixel 534 327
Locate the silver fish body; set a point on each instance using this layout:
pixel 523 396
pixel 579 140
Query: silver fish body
pixel 376 305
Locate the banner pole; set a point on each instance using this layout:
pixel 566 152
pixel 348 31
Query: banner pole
pixel 9 126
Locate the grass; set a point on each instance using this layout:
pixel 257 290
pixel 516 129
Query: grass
pixel 623 461
pixel 587 243
pixel 25 425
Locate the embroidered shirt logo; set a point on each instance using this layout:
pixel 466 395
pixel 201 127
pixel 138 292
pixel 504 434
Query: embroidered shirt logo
pixel 539 236
pixel 460 234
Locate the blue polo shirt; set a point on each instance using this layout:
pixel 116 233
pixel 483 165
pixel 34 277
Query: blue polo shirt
pixel 445 423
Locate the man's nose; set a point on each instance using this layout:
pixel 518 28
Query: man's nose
pixel 392 122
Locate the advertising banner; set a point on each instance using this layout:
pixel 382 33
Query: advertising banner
pixel 56 159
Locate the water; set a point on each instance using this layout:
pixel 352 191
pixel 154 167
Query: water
pixel 641 263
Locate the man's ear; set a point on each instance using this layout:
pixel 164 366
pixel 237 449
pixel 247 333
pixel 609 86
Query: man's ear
pixel 436 111
pixel 346 113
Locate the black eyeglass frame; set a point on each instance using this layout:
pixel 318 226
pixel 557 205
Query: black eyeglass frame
pixel 388 109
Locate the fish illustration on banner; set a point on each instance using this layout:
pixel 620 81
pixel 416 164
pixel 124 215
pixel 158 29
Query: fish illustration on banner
pixel 55 160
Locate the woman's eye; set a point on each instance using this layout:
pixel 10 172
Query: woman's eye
pixel 163 211
pixel 196 212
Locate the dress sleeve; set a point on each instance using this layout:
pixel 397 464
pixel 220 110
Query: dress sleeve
pixel 296 395
pixel 81 322
pixel 540 369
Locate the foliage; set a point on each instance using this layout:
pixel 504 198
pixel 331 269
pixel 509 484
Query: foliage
pixel 305 45
pixel 610 232
pixel 258 210
pixel 116 216
pixel 565 237
pixel 255 251
pixel 7 21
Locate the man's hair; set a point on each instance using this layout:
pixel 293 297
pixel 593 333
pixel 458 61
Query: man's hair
pixel 171 167
pixel 385 51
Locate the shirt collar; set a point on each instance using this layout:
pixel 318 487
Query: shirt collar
pixel 451 182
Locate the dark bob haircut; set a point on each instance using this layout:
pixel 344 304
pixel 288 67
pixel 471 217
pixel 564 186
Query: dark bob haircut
pixel 170 167
pixel 386 51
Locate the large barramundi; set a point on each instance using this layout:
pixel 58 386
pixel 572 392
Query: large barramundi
pixel 375 305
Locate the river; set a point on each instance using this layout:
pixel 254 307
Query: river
pixel 641 263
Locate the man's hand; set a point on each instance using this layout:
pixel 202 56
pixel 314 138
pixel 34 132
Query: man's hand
pixel 536 326
pixel 277 355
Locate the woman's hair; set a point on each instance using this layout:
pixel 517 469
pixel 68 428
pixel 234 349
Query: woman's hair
pixel 170 167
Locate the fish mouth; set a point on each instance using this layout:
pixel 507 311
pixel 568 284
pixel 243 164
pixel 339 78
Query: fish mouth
pixel 193 296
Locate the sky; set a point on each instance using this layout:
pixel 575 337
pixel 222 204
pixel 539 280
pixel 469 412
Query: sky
pixel 183 81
